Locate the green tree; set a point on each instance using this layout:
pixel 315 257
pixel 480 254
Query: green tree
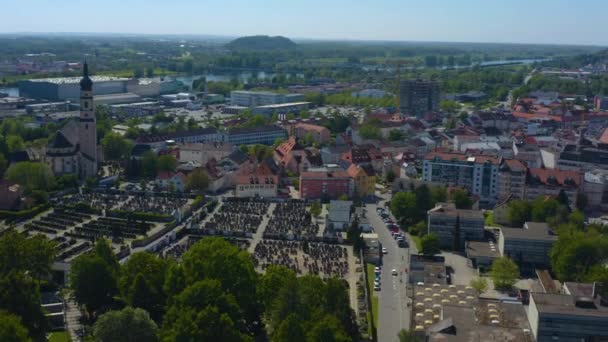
pixel 290 330
pixel 11 329
pixel 149 164
pixel 479 284
pixel 519 212
pixel 20 295
pixel 368 131
pixel 407 336
pixel 197 180
pixel 167 162
pixel 315 209
pixel 430 244
pixel 32 175
pixel 504 273
pixel 438 194
pixel 115 147
pixel 327 329
pixel 449 106
pixel 309 139
pixel 214 258
pixel 390 176
pixel 93 277
pixel 461 199
pixel 141 282
pixel 31 255
pixel 576 252
pixel 405 207
pixel 126 325
pixel 15 143
pixel 395 135
pixel 3 165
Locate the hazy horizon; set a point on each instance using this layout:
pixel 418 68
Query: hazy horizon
pixel 552 22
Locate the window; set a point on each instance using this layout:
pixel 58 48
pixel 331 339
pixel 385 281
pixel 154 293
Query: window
pixel 86 104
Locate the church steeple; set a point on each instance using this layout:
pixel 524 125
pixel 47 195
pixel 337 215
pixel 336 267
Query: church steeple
pixel 85 83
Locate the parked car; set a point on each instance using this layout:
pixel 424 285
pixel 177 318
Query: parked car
pixel 384 250
pixel 394 272
pixel 376 288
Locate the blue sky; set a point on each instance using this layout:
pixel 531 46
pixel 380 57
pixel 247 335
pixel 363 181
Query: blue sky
pixel 519 21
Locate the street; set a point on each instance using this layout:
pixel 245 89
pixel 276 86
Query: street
pixel 393 312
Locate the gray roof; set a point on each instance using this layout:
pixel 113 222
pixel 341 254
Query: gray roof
pixel 339 211
pixel 566 305
pixel 534 231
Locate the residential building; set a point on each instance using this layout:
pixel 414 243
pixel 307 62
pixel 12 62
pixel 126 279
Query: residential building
pixel 256 185
pixel 600 102
pixel 595 188
pixel 451 224
pixel 364 179
pixel 319 134
pixel 203 152
pixel 511 179
pixel 321 185
pixel 528 246
pixel 478 174
pixel 266 135
pixel 579 314
pixel 418 97
pixel 172 181
pixel 579 157
pixel 10 195
pixel 550 182
pixel 339 215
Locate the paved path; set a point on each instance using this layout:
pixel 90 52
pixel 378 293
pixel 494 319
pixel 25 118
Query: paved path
pixel 257 236
pixel 321 220
pixel 72 317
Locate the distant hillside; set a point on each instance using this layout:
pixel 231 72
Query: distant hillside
pixel 261 43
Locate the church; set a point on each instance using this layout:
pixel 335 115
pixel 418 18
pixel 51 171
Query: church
pixel 74 148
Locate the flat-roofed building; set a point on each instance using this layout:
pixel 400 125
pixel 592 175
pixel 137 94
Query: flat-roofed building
pixel 451 225
pixel 203 152
pixel 527 246
pixel 573 316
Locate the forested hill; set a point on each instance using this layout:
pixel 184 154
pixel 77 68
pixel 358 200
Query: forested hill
pixel 261 43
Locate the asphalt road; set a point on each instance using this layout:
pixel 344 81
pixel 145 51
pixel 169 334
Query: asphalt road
pixel 393 312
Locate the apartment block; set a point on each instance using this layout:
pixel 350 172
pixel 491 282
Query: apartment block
pixel 418 97
pixel 478 174
pixel 322 184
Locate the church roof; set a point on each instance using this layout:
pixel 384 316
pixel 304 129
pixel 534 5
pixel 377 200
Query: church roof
pixel 60 141
pixel 85 83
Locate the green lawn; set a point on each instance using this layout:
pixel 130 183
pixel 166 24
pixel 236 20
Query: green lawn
pixel 370 286
pixel 416 239
pixel 59 336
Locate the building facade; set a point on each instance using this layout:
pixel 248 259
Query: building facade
pixel 257 135
pixel 330 185
pixel 527 246
pixel 451 224
pixel 74 148
pixel 419 96
pixel 261 98
pixel 478 174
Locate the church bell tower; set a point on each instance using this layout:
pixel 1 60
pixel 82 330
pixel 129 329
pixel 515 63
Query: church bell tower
pixel 87 128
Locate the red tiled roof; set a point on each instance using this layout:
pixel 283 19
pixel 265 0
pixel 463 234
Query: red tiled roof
pixel 324 174
pixel 604 137
pixel 560 176
pixel 309 127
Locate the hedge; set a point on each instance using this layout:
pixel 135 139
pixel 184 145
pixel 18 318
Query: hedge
pixel 140 216
pixel 11 216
